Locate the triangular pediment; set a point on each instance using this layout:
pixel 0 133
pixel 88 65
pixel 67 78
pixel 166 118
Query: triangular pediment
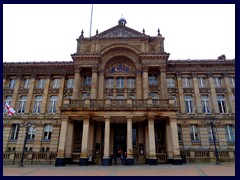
pixel 120 31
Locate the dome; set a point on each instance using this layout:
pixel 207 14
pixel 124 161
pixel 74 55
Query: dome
pixel 122 21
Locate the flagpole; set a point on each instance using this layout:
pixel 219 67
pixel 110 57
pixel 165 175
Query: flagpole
pixel 91 22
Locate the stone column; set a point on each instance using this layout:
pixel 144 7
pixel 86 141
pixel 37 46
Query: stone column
pixel 197 94
pixel 69 140
pixel 229 101
pixel 30 94
pixel 146 142
pixel 4 80
pixel 169 146
pixel 106 157
pixel 176 150
pixel 180 93
pixel 152 147
pixel 62 143
pixel 145 83
pixel 6 135
pixel 101 84
pixel 45 94
pixel 85 136
pixel 91 137
pixel 129 159
pixel 77 83
pixel 94 83
pixel 163 84
pixel 60 92
pixel 139 84
pixel 15 93
pixel 213 93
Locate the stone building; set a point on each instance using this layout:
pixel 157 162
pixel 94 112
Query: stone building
pixel 120 93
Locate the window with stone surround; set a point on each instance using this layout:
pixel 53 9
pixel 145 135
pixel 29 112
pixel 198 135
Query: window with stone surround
pixel 53 105
pixel 31 133
pixel 194 132
pixel 218 82
pixel 232 82
pixel 189 104
pixel 12 83
pixel 56 83
pixel 171 82
pixel 37 105
pixel 222 104
pixel 206 109
pixel 120 82
pixel 41 83
pixel 14 132
pixel 26 83
pixel 187 82
pixel 87 80
pixel 202 83
pixel 47 132
pixel 70 83
pixel 210 133
pixel 131 83
pixel 230 132
pixel 179 129
pixel 22 104
pixel 152 79
pixel 109 83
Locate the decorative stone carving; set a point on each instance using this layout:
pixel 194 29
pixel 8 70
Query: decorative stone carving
pixel 121 32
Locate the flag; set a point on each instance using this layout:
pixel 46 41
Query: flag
pixel 10 110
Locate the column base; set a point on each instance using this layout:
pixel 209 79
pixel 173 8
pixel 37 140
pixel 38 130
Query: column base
pixel 106 162
pixel 83 161
pixel 169 161
pixel 152 161
pixel 129 161
pixel 177 161
pixel 59 162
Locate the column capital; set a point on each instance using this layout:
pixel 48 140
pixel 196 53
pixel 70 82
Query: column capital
pixel 65 118
pixel 86 117
pixel 209 74
pixel 179 74
pixel 129 117
pixel 162 69
pixel 62 75
pixel 33 75
pixel 194 75
pixel 77 69
pixel 101 71
pixel 94 69
pixel 145 68
pixel 107 117
pixel 19 76
pixel 225 74
pixel 48 76
pixel 139 71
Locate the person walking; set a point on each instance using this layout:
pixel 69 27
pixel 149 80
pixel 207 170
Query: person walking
pixel 90 159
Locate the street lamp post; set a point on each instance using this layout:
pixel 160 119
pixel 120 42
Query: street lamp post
pixel 212 122
pixel 27 125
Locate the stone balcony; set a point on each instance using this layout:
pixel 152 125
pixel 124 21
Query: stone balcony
pixel 124 104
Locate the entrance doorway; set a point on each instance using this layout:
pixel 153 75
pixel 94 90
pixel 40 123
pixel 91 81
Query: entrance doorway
pixel 120 138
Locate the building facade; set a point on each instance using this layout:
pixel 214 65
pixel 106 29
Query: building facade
pixel 120 93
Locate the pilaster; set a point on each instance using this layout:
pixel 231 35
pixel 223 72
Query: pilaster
pixel 139 83
pixel 101 84
pixel 45 93
pixel 229 94
pixel 106 157
pixel 213 93
pixel 145 82
pixel 197 94
pixel 94 83
pixel 180 95
pixel 77 83
pixel 163 84
pixel 15 92
pixel 30 93
pixel 60 94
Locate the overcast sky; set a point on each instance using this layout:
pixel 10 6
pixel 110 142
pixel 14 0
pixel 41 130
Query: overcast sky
pixel 49 32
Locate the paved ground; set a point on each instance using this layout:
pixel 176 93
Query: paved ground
pixel 225 169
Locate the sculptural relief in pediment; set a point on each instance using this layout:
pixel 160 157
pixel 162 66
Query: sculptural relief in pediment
pixel 120 32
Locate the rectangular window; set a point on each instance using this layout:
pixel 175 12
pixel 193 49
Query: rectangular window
pixel 230 132
pixel 87 80
pixel 31 133
pixel 205 105
pixel 221 104
pixel 47 132
pixel 9 101
pixel 110 83
pixel 187 83
pixel 56 83
pixel 171 83
pixel 212 133
pixel 26 83
pixel 152 79
pixel 53 105
pixel 70 83
pixel 179 128
pixel 131 83
pixel 232 82
pixel 12 83
pixel 37 105
pixel 194 132
pixel 22 104
pixel 41 83
pixel 120 83
pixel 218 82
pixel 202 82
pixel 14 132
pixel 189 104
